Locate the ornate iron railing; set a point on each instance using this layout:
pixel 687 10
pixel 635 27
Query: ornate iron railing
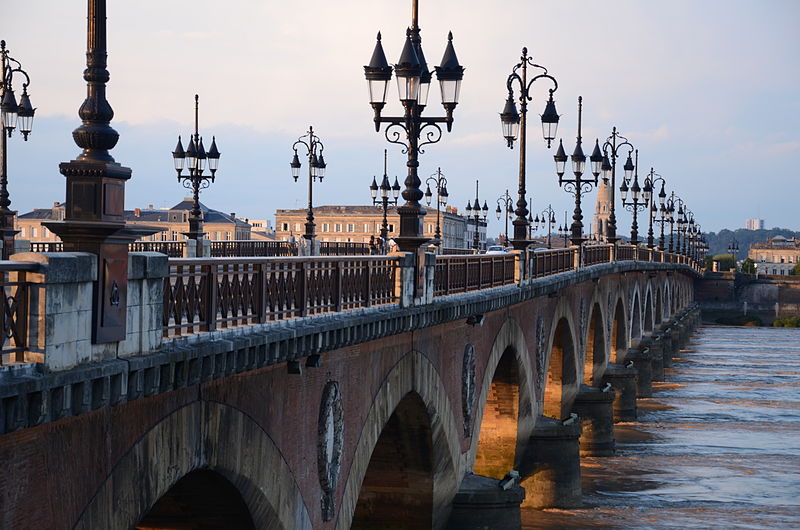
pixel 595 254
pixel 457 251
pixel 643 254
pixel 459 274
pixel 173 249
pixel 626 252
pixel 252 248
pixel 547 262
pixel 207 294
pixel 343 248
pixel 16 310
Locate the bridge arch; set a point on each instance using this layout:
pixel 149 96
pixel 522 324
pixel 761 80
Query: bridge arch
pixel 229 447
pixel 648 312
pixel 561 384
pixel 659 307
pixel 619 332
pixel 507 383
pixel 636 318
pixel 412 396
pixel 594 358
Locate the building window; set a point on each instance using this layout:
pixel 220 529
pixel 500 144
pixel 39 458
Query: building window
pixel 391 228
pixel 326 227
pixel 33 231
pixel 298 227
pixel 285 227
pixel 351 228
pixel 366 228
pixel 338 228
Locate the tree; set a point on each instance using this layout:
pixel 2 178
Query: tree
pixel 796 270
pixel 726 262
pixel 749 266
pixel 708 260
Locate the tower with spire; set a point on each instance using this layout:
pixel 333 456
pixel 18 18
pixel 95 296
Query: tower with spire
pixel 602 210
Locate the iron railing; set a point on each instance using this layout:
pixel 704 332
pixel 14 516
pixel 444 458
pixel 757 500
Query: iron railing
pixel 595 254
pixel 207 294
pixel 459 274
pixel 343 248
pixel 547 262
pixel 457 251
pixel 252 248
pixel 626 252
pixel 15 312
pixel 173 249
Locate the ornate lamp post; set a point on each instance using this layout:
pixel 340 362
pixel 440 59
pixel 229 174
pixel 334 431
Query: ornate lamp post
pixel 578 185
pixel 384 200
pixel 563 230
pixel 649 186
pixel 506 211
pixel 682 222
pixel 611 147
pixel 440 183
pixel 548 219
pixel 413 83
pixel 13 114
pixel 515 123
pixel 661 219
pixel 477 215
pixel 316 171
pixel 733 248
pixel 638 200
pixel 195 157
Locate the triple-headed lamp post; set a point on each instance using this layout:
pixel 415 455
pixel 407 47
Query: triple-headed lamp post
pixel 649 186
pixel 195 157
pixel 578 185
pixel 388 195
pixel 478 215
pixel 413 83
pixel 515 123
pixel 547 219
pixel 505 207
pixel 13 115
pixel 316 172
pixel 638 199
pixel 611 148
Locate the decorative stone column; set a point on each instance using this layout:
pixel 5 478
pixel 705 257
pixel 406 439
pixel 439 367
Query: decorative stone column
pixel 644 372
pixel 481 503
pixel 595 409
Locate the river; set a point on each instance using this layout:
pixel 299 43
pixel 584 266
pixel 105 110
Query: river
pixel 717 446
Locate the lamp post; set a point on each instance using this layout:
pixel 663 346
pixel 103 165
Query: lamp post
pixel 384 200
pixel 316 171
pixel 563 230
pixel 548 219
pixel 578 185
pixel 507 210
pixel 611 147
pixel 531 227
pixel 637 202
pixel 649 186
pixel 195 158
pixel 682 222
pixel 413 83
pixel 12 115
pixel 515 123
pixel 733 248
pixel 663 217
pixel 477 215
pixel 440 183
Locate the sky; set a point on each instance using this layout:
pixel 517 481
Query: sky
pixel 707 91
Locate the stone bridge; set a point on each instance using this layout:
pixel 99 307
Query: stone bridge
pixel 403 396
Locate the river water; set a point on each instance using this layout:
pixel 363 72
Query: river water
pixel 717 446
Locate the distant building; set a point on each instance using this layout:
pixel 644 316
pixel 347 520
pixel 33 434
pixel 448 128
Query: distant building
pixel 754 224
pixel 602 211
pixel 778 255
pixel 217 225
pixel 358 223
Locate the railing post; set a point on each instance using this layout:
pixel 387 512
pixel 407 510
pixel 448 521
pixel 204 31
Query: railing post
pixel 211 296
pixel 262 293
pixel 338 284
pixel 368 282
pixel 303 287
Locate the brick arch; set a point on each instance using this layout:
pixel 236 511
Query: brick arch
pixel 618 339
pixel 414 373
pixel 227 442
pixel 636 317
pixel 594 354
pixel 561 385
pixel 659 307
pixel 647 322
pixel 509 344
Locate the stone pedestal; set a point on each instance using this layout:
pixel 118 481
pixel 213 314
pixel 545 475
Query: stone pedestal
pixel 481 504
pixel 623 380
pixel 552 465
pixel 657 360
pixel 644 373
pixel 595 409
pixel 667 349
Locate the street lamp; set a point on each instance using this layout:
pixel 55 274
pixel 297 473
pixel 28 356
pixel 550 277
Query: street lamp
pixel 316 171
pixel 440 183
pixel 195 157
pixel 12 114
pixel 578 185
pixel 508 209
pixel 638 199
pixel 649 184
pixel 563 230
pixel 477 215
pixel 516 124
pixel 384 200
pixel 611 147
pixel 663 217
pixel 733 248
pixel 547 219
pixel 413 83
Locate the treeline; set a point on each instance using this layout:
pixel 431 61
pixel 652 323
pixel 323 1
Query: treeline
pixel 718 242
